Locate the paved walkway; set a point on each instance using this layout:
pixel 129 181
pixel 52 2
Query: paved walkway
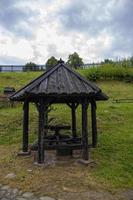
pixel 7 193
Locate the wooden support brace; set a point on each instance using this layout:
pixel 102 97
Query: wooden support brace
pixel 69 105
pixel 73 107
pixel 76 105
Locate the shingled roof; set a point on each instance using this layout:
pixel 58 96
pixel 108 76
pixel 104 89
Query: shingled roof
pixel 60 80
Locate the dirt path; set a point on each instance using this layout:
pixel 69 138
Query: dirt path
pixel 61 181
pixel 97 195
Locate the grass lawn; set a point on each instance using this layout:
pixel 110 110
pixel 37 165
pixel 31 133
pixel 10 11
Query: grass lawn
pixel 114 156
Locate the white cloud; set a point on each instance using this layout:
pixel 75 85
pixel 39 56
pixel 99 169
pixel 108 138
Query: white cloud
pixel 96 29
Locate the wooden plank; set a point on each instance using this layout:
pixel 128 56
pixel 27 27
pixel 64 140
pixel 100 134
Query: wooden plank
pixel 61 147
pixel 70 140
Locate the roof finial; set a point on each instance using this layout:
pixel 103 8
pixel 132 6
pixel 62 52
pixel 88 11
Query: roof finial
pixel 60 61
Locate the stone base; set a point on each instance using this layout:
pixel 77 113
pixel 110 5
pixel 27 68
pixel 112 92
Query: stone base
pixel 64 152
pixel 22 153
pixel 85 162
pixel 39 164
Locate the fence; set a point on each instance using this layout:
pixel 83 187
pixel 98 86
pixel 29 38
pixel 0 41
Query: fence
pixel 17 68
pixel 123 101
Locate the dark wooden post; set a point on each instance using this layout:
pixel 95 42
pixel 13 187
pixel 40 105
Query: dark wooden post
pixel 41 131
pixel 25 125
pixel 46 118
pixel 94 123
pixel 73 109
pixel 84 130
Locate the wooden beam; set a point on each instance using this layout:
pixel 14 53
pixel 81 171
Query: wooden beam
pixel 45 118
pixel 73 110
pixel 85 130
pixel 41 109
pixel 94 124
pixel 25 126
pixel 45 112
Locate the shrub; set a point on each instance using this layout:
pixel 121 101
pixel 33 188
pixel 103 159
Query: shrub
pixel 108 72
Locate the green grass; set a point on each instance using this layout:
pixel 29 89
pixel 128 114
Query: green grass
pixel 116 139
pixel 114 168
pixel 16 79
pixel 108 72
pixel 105 72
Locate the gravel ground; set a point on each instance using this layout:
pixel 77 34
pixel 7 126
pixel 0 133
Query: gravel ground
pixel 7 193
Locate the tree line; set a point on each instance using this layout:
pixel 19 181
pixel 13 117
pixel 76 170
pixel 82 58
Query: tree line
pixel 74 60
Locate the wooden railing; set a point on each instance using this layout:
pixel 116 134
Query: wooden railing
pixel 123 100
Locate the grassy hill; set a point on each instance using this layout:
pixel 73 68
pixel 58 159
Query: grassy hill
pixel 105 72
pixel 113 157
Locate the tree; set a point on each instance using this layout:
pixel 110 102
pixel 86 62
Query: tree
pixel 30 67
pixel 51 62
pixel 108 61
pixel 131 60
pixel 74 60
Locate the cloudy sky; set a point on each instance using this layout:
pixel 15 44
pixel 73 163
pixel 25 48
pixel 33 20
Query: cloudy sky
pixel 34 30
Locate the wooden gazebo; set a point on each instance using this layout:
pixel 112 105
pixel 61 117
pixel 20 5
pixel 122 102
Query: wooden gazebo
pixel 60 84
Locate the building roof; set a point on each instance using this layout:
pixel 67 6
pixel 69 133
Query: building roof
pixel 60 80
